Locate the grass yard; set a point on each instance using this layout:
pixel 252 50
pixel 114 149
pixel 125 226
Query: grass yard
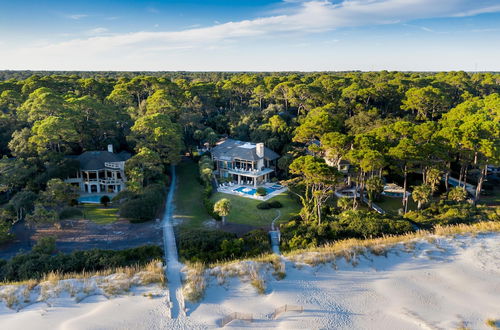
pixel 392 204
pixel 245 211
pixel 189 196
pixel 100 214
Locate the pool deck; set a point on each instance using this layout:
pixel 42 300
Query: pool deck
pixel 231 191
pixel 94 195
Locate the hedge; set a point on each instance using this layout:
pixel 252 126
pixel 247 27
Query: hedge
pixel 34 264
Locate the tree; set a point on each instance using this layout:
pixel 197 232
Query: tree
pixel 425 102
pixel 157 133
pixel 374 186
pixel 105 200
pixel 457 194
pixel 317 122
pixel 5 225
pixel 143 168
pixel 43 215
pixel 57 195
pixel 42 103
pixel 421 194
pixel 406 153
pixel 222 207
pixel 319 180
pixel 52 133
pixel 23 203
pixel 343 203
pixel 432 178
pixel 335 146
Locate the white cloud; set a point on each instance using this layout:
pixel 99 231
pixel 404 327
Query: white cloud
pixel 297 17
pixel 76 16
pixel 96 31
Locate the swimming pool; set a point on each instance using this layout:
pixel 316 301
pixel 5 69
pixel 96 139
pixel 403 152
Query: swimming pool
pixel 91 199
pixel 252 191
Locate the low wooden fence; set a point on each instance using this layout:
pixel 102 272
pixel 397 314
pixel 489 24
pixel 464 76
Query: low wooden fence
pixel 285 308
pixel 235 316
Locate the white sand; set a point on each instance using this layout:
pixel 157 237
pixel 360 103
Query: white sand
pixel 441 285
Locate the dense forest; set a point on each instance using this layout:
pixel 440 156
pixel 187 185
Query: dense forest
pixel 412 127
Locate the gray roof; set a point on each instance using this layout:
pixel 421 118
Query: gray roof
pixel 230 149
pixel 95 160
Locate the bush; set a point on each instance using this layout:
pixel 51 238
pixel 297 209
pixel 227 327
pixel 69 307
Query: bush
pixel 145 206
pixel 263 206
pixel 105 200
pixel 261 191
pixel 269 205
pixel 45 245
pixel 70 212
pixel 275 204
pixel 208 246
pixel 34 264
pixel 298 234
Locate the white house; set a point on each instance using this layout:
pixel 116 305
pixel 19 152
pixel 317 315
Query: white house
pixel 244 161
pixel 101 171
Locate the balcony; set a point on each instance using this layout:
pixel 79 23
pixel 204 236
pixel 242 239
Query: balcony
pixel 250 173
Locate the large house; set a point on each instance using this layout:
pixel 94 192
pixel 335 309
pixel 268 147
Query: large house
pixel 101 171
pixel 244 162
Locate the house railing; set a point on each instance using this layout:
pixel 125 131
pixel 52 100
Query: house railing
pixel 285 308
pixel 255 172
pixel 235 316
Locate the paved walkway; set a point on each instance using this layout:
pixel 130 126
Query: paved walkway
pixel 173 271
pixel 275 236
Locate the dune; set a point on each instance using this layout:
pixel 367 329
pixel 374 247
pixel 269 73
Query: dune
pixel 438 284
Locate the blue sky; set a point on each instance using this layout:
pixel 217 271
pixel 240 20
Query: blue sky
pixel 256 35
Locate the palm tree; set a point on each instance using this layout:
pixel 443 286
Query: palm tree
pixel 343 203
pixel 222 208
pixel 432 178
pixel 421 194
pixel 457 194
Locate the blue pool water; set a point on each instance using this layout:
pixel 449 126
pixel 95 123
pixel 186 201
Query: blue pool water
pixel 91 199
pixel 251 191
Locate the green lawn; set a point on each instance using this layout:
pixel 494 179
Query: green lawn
pixel 189 196
pixel 392 204
pixel 245 211
pixel 100 214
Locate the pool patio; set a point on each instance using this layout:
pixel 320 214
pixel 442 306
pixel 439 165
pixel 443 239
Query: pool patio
pixel 248 190
pixel 86 198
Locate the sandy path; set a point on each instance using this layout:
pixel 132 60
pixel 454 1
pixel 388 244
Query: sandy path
pixel 171 256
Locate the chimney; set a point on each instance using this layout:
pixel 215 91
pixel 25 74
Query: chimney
pixel 259 149
pixel 110 148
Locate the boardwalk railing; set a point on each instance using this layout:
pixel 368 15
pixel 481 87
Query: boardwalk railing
pixel 235 316
pixel 285 308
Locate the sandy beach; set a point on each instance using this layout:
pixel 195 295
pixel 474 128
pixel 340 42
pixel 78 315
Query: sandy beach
pixel 437 284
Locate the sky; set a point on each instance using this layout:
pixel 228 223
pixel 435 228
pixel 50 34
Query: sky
pixel 250 35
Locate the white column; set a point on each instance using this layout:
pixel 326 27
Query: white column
pixel 239 179
pixel 255 182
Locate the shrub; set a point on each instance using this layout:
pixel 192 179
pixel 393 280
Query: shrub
pixel 263 206
pixel 275 204
pixel 145 206
pixel 261 191
pixel 37 263
pixel 45 245
pixel 269 205
pixel 204 245
pixel 105 200
pixel 70 212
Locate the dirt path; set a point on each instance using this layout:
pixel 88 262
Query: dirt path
pixel 173 271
